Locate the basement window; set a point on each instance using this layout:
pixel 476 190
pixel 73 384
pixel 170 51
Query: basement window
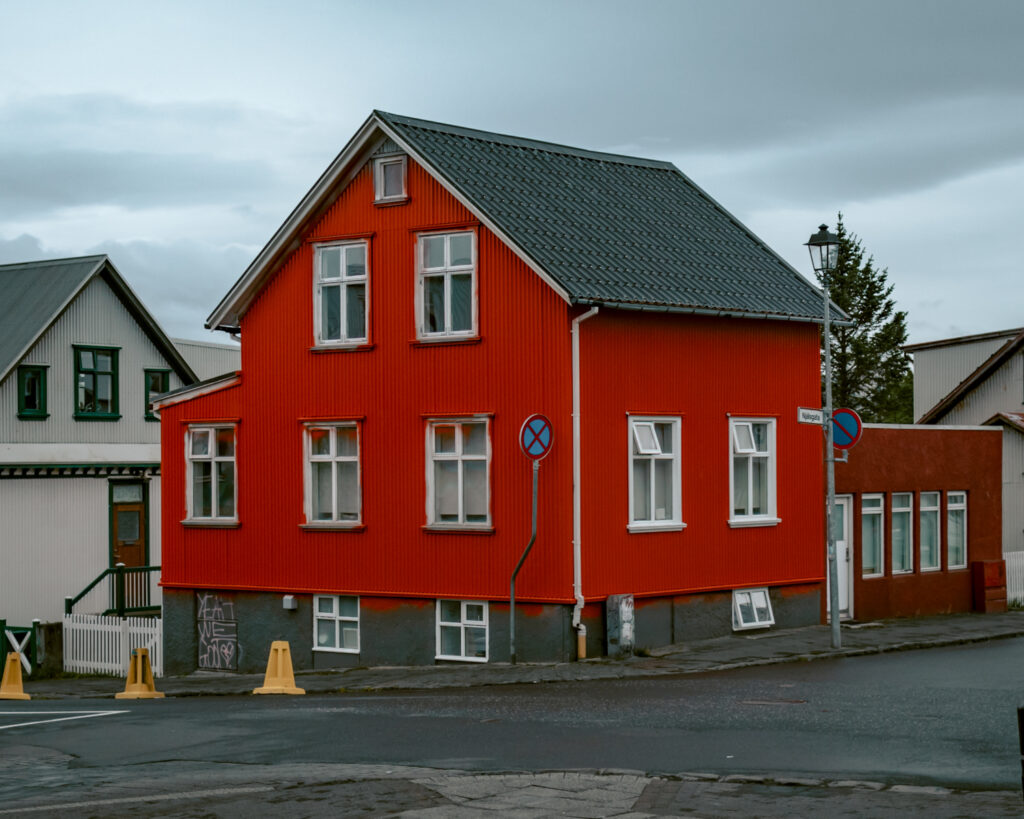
pixel 751 608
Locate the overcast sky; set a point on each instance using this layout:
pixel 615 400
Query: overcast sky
pixel 177 137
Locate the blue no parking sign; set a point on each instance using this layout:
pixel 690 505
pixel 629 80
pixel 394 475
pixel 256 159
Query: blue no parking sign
pixel 535 437
pixel 846 428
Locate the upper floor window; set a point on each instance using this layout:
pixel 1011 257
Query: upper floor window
pixel 458 455
pixel 210 457
pixel 389 174
pixel 32 391
pixel 96 385
pixel 956 530
pixel 157 383
pixel 340 293
pixel 654 473
pixel 332 474
pixel 752 472
pixel 447 285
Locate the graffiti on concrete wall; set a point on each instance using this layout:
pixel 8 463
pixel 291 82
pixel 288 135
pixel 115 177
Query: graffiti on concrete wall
pixel 218 632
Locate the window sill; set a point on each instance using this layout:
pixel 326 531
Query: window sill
pixel 902 573
pixel 872 577
pixel 639 528
pixel 333 526
pixel 931 570
pixel 390 202
pixel 326 650
pixel 93 417
pixel 198 523
pixel 444 341
pixel 440 529
pixel 449 659
pixel 740 523
pixel 33 416
pixel 359 347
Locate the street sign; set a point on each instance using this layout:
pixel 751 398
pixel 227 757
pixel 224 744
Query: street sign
pixel 535 437
pixel 810 416
pixel 846 428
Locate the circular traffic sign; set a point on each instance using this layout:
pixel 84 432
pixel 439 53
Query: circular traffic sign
pixel 846 428
pixel 535 437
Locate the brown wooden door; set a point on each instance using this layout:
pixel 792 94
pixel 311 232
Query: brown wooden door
pixel 128 540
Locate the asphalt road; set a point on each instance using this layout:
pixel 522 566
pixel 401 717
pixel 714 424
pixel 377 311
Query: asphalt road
pixel 942 716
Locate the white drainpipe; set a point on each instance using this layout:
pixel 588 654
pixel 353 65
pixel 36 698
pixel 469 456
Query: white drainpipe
pixel 577 573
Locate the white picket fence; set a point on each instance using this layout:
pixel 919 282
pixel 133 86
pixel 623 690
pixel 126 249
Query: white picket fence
pixel 1014 576
pixel 96 644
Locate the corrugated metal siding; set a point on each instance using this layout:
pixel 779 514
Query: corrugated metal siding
pixel 95 317
pixel 939 370
pixel 209 360
pixel 701 369
pixel 42 564
pixel 1002 391
pixel 520 366
pixel 1013 491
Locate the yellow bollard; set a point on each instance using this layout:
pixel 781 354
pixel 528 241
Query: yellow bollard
pixel 10 688
pixel 139 685
pixel 279 679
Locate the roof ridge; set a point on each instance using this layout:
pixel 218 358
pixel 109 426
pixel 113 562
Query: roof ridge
pixel 91 258
pixel 525 142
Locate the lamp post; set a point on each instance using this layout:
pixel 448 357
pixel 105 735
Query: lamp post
pixel 824 249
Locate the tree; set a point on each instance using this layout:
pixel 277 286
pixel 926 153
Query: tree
pixel 870 371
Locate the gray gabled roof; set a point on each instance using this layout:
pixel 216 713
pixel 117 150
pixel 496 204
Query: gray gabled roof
pixel 35 294
pixel 599 228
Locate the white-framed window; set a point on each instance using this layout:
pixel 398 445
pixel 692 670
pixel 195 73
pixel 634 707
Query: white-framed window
pixel 458 463
pixel 462 630
pixel 872 535
pixel 340 293
pixel 956 530
pixel 928 531
pixel 751 608
pixel 389 178
pixel 333 487
pixel 446 297
pixel 902 532
pixel 752 471
pixel 654 474
pixel 336 623
pixel 210 464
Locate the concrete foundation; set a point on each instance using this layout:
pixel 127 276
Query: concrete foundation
pixel 232 630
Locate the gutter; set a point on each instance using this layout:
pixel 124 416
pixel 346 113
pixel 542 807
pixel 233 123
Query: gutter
pixel 577 573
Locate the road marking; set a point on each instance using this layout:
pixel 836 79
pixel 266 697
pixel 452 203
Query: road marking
pixel 164 797
pixel 78 715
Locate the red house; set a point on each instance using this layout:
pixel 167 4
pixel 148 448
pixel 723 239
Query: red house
pixel 358 487
pixel 918 522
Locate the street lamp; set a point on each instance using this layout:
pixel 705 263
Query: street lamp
pixel 824 249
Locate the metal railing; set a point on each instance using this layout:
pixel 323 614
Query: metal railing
pixel 128 590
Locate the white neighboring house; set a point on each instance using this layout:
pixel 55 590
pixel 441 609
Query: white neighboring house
pixel 979 380
pixel 80 359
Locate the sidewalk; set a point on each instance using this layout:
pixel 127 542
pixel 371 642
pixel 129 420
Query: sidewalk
pixel 732 651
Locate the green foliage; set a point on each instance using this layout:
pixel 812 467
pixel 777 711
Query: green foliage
pixel 870 372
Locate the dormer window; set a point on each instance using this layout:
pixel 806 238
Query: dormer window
pixel 389 179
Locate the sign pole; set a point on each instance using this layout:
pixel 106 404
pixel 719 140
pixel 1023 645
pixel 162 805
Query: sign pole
pixel 512 591
pixel 535 439
pixel 830 472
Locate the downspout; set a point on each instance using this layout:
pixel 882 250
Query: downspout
pixel 577 573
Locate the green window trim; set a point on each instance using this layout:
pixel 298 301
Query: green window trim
pixel 157 381
pixel 29 374
pixel 95 390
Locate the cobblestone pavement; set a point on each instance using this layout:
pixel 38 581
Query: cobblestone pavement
pixel 367 790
